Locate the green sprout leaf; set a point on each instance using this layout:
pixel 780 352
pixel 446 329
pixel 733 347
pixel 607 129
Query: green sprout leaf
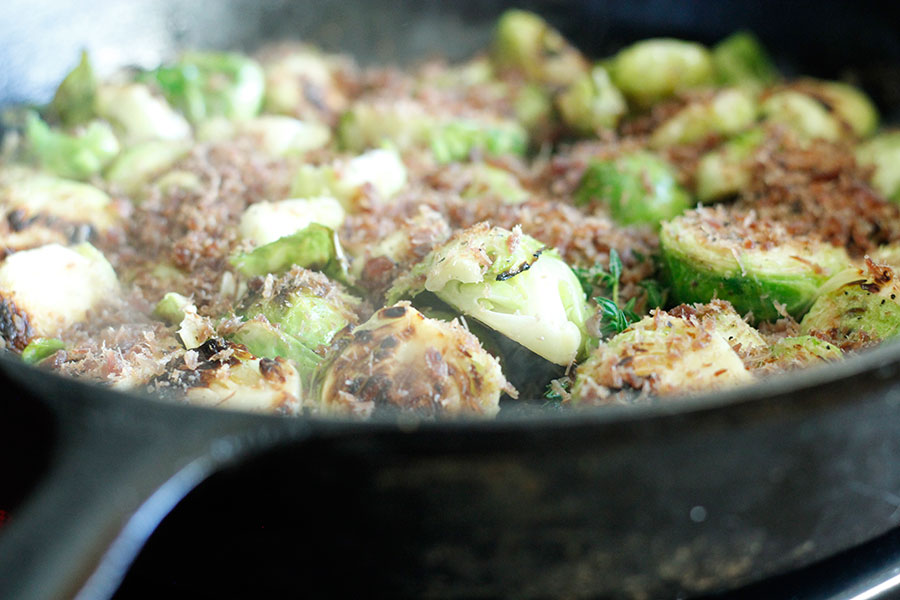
pixel 40 349
pixel 314 247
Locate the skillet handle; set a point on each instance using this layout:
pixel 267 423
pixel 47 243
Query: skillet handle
pixel 119 465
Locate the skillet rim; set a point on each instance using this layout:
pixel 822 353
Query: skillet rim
pixel 882 363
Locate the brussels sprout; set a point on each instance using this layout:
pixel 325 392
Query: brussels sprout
pixel 403 124
pixel 889 254
pixel 592 102
pixel 728 112
pixel 740 59
pixel 212 84
pixel 274 135
pixel 803 351
pixel 654 69
pixel 803 115
pixel 401 360
pixel 376 265
pixel 756 265
pixel 849 105
pixel 726 170
pixel 225 375
pixel 726 322
pixel 74 156
pixel 265 222
pixel 73 103
pixel 883 153
pixel 139 164
pixel 485 180
pixel 458 139
pixel 34 193
pixel 40 349
pixel 533 108
pixel 856 308
pixel 303 305
pixel 661 354
pixel 171 308
pixel 524 42
pixel 511 283
pixel 406 125
pixel 138 116
pixel 314 247
pixel 301 81
pixel 264 339
pixel 639 187
pixel 71 282
pixel 383 169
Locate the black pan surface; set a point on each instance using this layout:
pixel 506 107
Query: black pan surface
pixel 671 500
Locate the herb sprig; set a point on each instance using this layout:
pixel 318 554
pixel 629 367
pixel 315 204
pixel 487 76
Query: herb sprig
pixel 614 319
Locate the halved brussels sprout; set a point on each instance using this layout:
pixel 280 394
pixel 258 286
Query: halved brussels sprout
pixel 725 321
pixel 803 351
pixel 533 108
pixel 638 187
pixel 302 304
pixel 213 84
pixel 654 69
pixel 137 115
pixel 661 355
pixel 592 102
pixel 457 140
pixel 73 103
pixel 802 115
pixel 524 42
pixel 303 81
pixel 758 266
pixel 856 308
pixel 406 125
pixel 741 59
pixel 889 254
pixel 383 169
pixel 510 282
pixel 139 164
pixel 402 360
pixel 274 135
pixel 225 375
pixel 726 113
pixel 76 156
pixel 376 265
pixel 850 105
pixel 830 110
pixel 34 193
pixel 486 180
pixel 314 247
pixel 883 153
pixel 403 124
pixel 726 170
pixel 69 283
pixel 265 222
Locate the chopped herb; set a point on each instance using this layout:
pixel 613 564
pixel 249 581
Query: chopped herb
pixel 656 294
pixel 615 319
pixel 557 392
pixel 606 279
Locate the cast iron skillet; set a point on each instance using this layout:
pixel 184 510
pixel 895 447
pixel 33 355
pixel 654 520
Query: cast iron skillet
pixel 690 496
